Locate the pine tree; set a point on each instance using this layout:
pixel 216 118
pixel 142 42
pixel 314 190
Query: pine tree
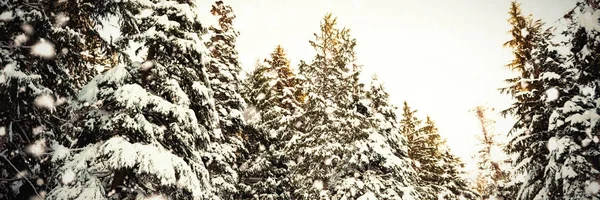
pixel 492 170
pixel 338 152
pixel 439 172
pixel 384 114
pixel 41 67
pixel 224 74
pixel 274 92
pixel 145 129
pixel 573 164
pixel 533 90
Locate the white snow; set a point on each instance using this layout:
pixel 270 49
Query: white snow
pixel 2 131
pixel 7 16
pixel 147 65
pixel 59 152
pixel 318 184
pixel 39 182
pixel 28 29
pixel 44 49
pixel 37 130
pixel 586 142
pixel 592 188
pixel 260 96
pixel 156 197
pixel 68 177
pixel 589 19
pixel 367 196
pixel 329 110
pixel 10 72
pixel 37 149
pixel 20 39
pixel 551 94
pixel 550 75
pixel 568 172
pixel 251 115
pixel 552 143
pixel 61 19
pixel 45 101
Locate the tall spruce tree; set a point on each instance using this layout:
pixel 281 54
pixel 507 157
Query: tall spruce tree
pixel 384 114
pixel 338 152
pixel 224 74
pixel 146 129
pixel 440 173
pixel 41 66
pixel 573 162
pixel 535 91
pixel 274 92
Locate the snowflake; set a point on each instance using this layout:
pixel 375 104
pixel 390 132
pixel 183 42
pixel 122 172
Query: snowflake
pixel 39 181
pixel 61 19
pixel 44 49
pixel 45 101
pixel 37 130
pixel 27 28
pixel 592 188
pixel 38 148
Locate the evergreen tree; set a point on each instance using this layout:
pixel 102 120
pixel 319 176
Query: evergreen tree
pixel 274 92
pixel 145 129
pixel 439 171
pixel 534 91
pixel 384 115
pixel 224 74
pixel 41 67
pixel 573 168
pixel 339 153
pixel 492 173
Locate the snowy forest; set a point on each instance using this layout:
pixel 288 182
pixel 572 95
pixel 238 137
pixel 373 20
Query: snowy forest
pixel 165 111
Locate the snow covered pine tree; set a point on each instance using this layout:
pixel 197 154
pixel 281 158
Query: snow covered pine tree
pixel 224 75
pixel 574 153
pixel 439 171
pixel 274 91
pixel 539 69
pixel 144 129
pixel 338 152
pixel 40 68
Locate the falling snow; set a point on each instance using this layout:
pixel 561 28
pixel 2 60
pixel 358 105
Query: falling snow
pixel 28 29
pixel 61 19
pixel 44 49
pixel 45 101
pixel 37 149
pixel 592 188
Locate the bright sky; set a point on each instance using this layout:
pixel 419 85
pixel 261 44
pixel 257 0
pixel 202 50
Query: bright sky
pixel 443 56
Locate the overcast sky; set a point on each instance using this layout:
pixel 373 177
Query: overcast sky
pixel 442 56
